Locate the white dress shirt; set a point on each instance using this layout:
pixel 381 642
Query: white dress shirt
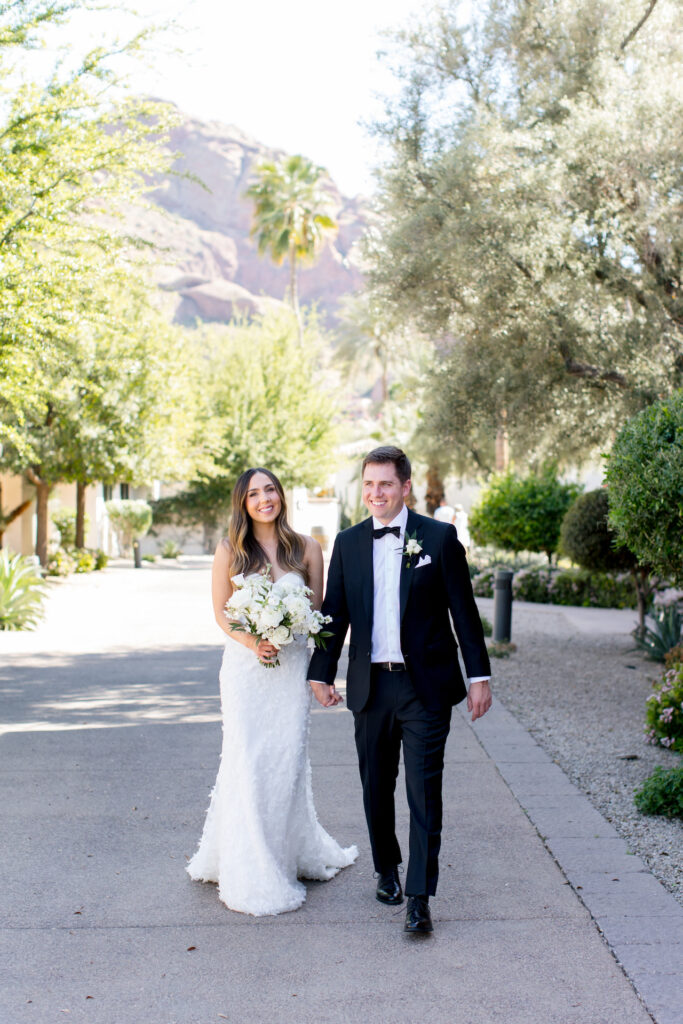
pixel 386 619
pixel 386 565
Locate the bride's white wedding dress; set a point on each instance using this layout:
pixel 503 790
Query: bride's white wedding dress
pixel 261 833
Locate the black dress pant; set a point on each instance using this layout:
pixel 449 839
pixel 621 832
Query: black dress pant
pixel 393 716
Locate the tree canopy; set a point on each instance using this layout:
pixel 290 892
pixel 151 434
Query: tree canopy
pixel 267 402
pixel 645 487
pixel 530 219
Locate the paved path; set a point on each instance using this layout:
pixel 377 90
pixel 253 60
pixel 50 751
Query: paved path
pixel 109 748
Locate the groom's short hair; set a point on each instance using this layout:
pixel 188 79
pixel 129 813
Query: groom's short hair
pixel 389 453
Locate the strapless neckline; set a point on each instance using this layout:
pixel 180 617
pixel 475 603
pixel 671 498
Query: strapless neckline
pixel 284 576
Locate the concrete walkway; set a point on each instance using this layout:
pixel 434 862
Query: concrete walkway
pixel 108 751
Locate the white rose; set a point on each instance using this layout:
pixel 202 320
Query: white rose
pixel 237 581
pixel 270 617
pixel 281 636
pixel 240 599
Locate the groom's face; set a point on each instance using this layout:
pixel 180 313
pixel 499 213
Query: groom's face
pixel 383 492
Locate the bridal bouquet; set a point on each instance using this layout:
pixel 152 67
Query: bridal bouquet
pixel 275 613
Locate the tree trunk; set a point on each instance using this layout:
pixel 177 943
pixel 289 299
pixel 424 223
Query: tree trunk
pixel 42 521
pixel 294 292
pixel 641 578
pixel 80 514
pixel 435 491
pixel 502 444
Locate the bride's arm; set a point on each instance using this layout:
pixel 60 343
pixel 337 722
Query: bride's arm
pixel 313 559
pixel 221 591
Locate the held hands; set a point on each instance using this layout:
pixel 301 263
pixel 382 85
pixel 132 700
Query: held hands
pixel 478 699
pixel 325 694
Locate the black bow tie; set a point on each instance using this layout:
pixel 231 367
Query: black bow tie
pixel 396 530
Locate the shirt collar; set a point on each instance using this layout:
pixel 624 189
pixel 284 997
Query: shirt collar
pixel 401 520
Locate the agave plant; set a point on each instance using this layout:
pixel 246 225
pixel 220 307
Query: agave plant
pixel 21 592
pixel 662 632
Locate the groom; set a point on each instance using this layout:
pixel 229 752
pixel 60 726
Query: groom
pixel 394 578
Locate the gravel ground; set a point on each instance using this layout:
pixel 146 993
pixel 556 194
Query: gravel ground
pixel 580 690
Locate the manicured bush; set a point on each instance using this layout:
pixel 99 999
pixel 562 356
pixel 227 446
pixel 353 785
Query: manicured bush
pixel 645 482
pixel 523 514
pixel 587 538
pixel 662 792
pixel 574 587
pixel 21 592
pixel 664 714
pixel 532 584
pixel 131 521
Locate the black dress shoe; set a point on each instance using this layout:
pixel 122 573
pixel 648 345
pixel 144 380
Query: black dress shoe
pixel 418 917
pixel 389 888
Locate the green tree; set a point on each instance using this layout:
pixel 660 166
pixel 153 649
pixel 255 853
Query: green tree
pixel 73 151
pixel 291 215
pixel 268 403
pixel 530 220
pixel 522 514
pixel 645 486
pixel 587 538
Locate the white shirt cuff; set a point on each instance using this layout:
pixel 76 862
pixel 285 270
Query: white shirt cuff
pixel 479 679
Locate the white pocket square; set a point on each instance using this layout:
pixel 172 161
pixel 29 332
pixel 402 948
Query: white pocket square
pixel 425 560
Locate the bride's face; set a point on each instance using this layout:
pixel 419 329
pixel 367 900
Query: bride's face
pixel 263 502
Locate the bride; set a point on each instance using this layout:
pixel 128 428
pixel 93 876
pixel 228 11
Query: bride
pixel 261 833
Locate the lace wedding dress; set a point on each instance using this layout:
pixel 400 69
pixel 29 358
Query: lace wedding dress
pixel 261 833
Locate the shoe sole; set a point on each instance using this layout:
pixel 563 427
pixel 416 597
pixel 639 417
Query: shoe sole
pixel 422 930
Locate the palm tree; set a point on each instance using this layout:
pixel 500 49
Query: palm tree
pixel 290 218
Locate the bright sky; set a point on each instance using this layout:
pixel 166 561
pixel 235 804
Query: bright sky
pixel 299 75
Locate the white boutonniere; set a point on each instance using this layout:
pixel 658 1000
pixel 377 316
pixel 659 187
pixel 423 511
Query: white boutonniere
pixel 412 549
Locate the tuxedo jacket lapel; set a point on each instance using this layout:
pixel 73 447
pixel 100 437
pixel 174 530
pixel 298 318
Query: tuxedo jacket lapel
pixel 407 571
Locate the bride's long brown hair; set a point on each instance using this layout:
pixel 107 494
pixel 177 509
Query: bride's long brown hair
pixel 247 554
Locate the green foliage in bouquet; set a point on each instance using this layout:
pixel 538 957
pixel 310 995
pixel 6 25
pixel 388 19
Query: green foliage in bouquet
pixel 664 714
pixel 662 792
pixel 21 592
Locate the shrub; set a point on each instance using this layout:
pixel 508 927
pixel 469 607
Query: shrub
pixel 486 626
pixel 101 559
pixel 645 481
pixel 60 563
pixel 482 583
pixel 84 560
pixel 664 714
pixel 169 549
pixel 662 792
pixel 130 519
pixel 21 592
pixel 523 514
pixel 532 584
pixel 587 538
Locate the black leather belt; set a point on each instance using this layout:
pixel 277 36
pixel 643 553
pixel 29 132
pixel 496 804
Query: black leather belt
pixel 389 666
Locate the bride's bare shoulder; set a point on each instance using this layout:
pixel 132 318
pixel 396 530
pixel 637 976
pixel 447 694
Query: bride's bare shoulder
pixel 223 552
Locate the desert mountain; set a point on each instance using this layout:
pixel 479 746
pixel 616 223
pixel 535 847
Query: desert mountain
pixel 200 220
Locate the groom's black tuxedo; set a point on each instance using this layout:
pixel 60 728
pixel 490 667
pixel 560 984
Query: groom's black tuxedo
pixel 428 592
pixel 410 708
